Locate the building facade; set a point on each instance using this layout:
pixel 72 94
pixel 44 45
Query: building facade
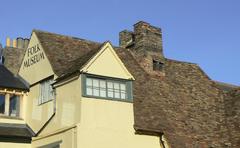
pixel 85 94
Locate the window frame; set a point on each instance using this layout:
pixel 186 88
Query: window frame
pixel 128 87
pixel 42 99
pixel 7 111
pixel 3 114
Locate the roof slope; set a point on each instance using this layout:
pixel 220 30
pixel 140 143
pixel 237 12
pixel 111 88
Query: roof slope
pixel 13 58
pixel 62 51
pixel 232 105
pixel 8 80
pixel 9 132
pixel 184 104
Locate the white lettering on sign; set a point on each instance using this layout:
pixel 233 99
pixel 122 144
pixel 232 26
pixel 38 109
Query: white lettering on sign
pixel 34 55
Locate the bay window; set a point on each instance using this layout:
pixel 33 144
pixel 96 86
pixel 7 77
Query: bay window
pixel 2 103
pixel 10 105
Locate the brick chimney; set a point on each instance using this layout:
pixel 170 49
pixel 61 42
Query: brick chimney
pixel 146 43
pixel 145 38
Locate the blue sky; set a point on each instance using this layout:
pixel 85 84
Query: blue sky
pixel 205 32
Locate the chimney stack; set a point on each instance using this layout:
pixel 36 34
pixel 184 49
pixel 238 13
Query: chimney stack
pixel 26 42
pixel 20 42
pixel 146 44
pixel 146 39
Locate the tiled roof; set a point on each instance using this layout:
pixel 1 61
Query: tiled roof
pixel 184 104
pixel 13 58
pixel 64 51
pixel 8 80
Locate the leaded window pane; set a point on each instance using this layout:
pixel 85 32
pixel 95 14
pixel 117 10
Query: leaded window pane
pixel 123 87
pixel 123 95
pixel 2 103
pixel 110 94
pixel 89 82
pixel 14 106
pixel 89 91
pixel 103 84
pixel 105 88
pixel 102 92
pixel 96 92
pixel 95 83
pixel 116 85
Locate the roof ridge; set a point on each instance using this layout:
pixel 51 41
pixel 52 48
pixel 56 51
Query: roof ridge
pixel 63 35
pixel 181 61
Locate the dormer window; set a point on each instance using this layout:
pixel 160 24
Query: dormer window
pixel 109 88
pixel 157 65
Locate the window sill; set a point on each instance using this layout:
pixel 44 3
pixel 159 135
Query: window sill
pixel 10 117
pixel 110 99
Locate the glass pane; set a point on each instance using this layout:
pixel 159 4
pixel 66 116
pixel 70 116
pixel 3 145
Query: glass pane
pixel 95 83
pixel 96 92
pixel 50 91
pixel 110 94
pixel 116 85
pixel 2 103
pixel 116 94
pixel 14 106
pixel 89 91
pixel 102 92
pixel 89 82
pixel 109 84
pixel 123 95
pixel 102 84
pixel 123 86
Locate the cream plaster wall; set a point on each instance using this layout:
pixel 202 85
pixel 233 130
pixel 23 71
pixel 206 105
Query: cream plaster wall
pixel 14 145
pixel 39 70
pixel 107 63
pixel 66 139
pixel 37 115
pixel 109 124
pixel 11 120
pixel 68 104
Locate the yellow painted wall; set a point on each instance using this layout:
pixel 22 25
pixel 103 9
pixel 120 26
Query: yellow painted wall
pixel 14 145
pixel 109 124
pixel 37 115
pixel 100 123
pixel 106 63
pixel 38 71
pixel 11 120
pixel 66 138
pixel 68 104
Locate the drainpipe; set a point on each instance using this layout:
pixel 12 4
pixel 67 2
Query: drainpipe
pixel 161 141
pixel 54 112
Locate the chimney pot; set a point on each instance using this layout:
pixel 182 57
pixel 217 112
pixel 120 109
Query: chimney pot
pixel 14 43
pixel 8 42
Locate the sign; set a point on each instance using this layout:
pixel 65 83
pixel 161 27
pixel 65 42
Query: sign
pixel 34 55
